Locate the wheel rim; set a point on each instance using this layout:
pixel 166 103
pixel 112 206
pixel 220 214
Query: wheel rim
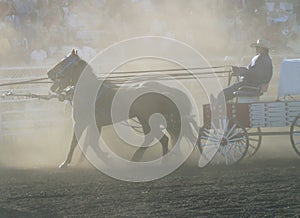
pixel 295 134
pixel 224 142
pixel 255 139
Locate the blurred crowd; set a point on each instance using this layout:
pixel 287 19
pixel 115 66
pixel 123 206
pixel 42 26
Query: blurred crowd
pixel 275 20
pixel 35 31
pixel 41 31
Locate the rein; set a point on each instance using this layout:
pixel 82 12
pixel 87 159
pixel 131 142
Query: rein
pixel 31 81
pixel 67 95
pixel 30 95
pixel 179 75
pixel 125 78
pixel 174 73
pixel 170 69
pixel 119 77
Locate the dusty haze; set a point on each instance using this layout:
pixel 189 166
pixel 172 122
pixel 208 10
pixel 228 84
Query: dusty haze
pixel 196 23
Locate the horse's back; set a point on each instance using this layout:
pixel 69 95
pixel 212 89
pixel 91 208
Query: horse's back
pixel 164 97
pixel 178 96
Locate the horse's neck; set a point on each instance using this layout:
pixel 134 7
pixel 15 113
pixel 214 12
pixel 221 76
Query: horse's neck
pixel 90 75
pixel 107 89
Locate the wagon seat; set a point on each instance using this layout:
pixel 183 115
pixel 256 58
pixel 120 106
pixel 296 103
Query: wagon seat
pixel 247 94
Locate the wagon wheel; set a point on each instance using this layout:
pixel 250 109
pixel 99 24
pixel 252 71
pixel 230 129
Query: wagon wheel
pixel 223 141
pixel 295 134
pixel 255 137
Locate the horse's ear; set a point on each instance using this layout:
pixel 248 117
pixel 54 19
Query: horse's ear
pixel 74 52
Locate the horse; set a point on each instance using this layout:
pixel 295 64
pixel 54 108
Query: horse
pixel 66 74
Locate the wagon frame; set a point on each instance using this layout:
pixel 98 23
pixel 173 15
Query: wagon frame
pixel 250 115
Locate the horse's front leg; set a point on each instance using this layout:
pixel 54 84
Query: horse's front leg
pixel 91 139
pixel 139 153
pixel 164 141
pixel 70 154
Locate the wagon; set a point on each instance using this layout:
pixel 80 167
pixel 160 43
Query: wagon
pixel 228 137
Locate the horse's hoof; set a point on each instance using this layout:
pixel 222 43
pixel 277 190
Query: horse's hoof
pixel 63 166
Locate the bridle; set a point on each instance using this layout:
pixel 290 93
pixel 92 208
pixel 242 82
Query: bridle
pixel 59 74
pixel 73 61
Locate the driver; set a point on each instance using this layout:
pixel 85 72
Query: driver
pixel 258 72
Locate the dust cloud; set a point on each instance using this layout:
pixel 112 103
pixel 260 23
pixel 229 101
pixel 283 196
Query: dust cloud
pixel 197 23
pixel 200 24
pixel 34 133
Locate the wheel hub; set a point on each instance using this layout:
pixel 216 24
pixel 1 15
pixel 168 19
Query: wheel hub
pixel 224 142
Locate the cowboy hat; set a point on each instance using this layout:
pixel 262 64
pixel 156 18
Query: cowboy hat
pixel 261 43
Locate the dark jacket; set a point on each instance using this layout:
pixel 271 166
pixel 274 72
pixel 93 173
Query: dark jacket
pixel 259 71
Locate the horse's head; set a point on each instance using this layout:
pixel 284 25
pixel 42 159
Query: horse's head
pixel 66 73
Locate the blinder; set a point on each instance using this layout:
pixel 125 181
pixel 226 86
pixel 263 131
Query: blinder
pixel 60 74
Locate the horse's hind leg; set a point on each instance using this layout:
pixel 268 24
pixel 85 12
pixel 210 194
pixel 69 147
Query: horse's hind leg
pixel 190 128
pixel 148 139
pixel 164 141
pixel 70 154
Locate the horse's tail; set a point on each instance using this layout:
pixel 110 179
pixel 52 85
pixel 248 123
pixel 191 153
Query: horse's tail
pixel 187 132
pixel 174 127
pixel 182 121
pixel 186 127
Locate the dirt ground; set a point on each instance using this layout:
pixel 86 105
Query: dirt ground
pixel 256 187
pixel 266 185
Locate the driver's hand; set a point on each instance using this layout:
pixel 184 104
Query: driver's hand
pixel 235 71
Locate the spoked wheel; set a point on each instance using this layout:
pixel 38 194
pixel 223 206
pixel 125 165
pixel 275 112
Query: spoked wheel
pixel 255 137
pixel 295 134
pixel 223 142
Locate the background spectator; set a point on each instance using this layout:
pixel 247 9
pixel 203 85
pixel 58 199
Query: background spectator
pixel 38 56
pixel 218 27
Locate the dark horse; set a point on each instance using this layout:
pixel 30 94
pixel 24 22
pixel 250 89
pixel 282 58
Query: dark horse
pixel 67 73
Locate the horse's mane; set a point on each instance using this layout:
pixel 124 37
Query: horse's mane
pixel 87 68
